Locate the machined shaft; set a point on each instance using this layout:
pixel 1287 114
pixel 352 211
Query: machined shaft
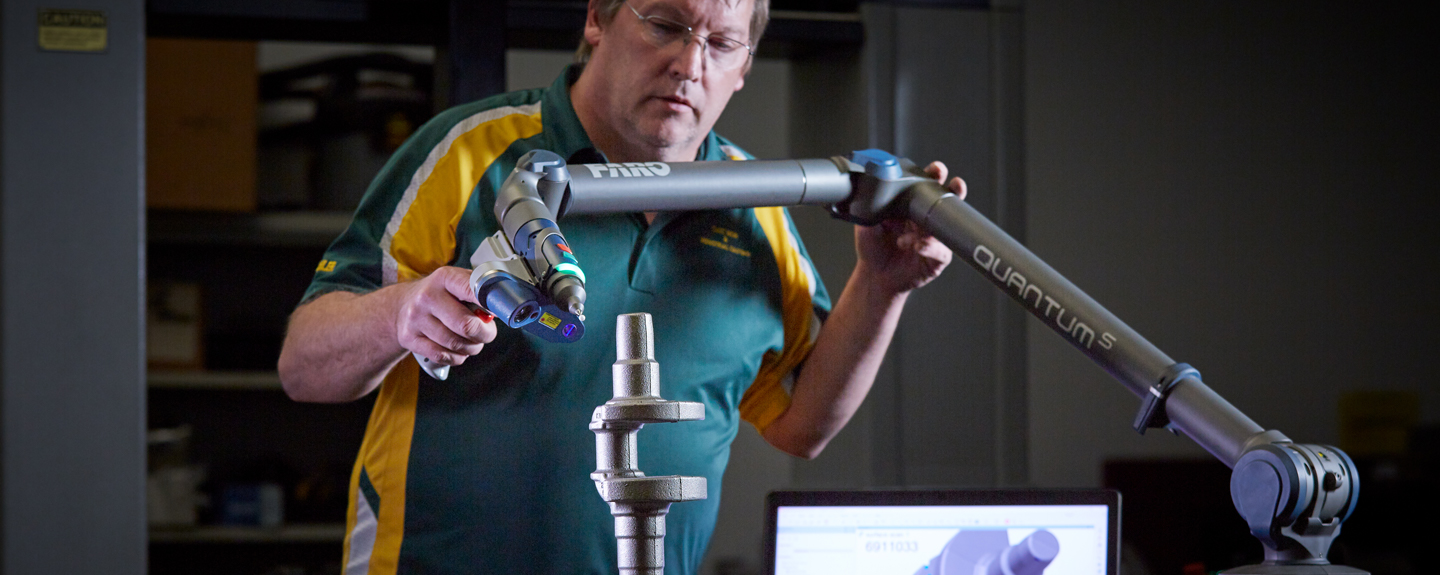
pixel 638 503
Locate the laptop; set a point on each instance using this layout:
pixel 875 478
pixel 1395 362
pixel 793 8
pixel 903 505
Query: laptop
pixel 965 532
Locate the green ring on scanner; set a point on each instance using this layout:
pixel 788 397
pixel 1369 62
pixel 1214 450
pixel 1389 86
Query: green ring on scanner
pixel 566 268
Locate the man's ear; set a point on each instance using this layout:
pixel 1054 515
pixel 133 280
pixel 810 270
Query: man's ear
pixel 593 29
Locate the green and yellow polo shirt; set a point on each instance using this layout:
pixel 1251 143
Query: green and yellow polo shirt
pixel 489 471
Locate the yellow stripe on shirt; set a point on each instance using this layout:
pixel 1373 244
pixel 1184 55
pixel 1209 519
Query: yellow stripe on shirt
pixel 420 238
pixel 430 210
pixel 385 457
pixel 768 397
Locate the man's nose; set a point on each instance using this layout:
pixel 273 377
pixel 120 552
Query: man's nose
pixel 689 64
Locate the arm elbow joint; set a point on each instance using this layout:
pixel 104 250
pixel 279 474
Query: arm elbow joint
pixel 803 455
pixel 294 391
pixel 297 388
pixel 807 451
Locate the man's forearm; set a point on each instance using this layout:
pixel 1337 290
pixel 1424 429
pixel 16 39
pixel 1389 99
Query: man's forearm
pixel 841 368
pixel 340 346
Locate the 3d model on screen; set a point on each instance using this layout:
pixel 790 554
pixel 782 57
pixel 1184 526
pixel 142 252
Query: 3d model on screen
pixel 989 552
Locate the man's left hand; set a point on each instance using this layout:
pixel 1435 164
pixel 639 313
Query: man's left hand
pixel 903 256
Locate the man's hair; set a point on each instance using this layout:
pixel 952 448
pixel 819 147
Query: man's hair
pixel 606 10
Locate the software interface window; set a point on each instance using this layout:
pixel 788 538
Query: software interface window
pixel 914 540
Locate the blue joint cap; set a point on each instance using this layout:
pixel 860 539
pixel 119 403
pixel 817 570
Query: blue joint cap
pixel 878 163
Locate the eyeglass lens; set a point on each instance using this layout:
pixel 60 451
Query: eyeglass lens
pixel 723 52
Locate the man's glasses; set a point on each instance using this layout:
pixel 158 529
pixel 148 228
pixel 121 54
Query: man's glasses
pixel 724 53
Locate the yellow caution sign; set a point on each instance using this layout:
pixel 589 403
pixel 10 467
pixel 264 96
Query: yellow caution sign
pixel 73 30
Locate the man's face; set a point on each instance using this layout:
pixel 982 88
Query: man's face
pixel 665 98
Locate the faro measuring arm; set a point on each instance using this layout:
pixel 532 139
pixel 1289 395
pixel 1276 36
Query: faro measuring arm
pixel 525 274
pixel 1293 496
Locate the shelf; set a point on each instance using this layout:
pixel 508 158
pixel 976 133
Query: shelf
pixel 215 380
pixel 294 229
pixel 796 28
pixel 303 533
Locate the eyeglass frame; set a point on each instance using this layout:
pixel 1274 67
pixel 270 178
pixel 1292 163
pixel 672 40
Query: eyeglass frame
pixel 690 32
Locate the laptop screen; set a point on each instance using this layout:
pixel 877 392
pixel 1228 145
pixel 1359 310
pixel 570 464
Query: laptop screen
pixel 1023 532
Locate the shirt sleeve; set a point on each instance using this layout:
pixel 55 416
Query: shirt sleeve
pixel 355 261
pixel 804 305
pixel 405 226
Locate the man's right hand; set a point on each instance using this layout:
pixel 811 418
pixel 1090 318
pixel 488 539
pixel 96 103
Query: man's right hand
pixel 340 346
pixel 435 322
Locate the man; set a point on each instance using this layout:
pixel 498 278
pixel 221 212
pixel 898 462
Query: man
pixel 488 471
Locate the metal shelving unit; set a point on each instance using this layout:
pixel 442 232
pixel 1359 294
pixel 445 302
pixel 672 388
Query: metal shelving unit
pixel 300 533
pixel 535 24
pixel 275 229
pixel 215 380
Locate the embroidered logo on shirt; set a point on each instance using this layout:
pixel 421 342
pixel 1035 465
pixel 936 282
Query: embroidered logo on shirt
pixel 721 238
pixel 325 266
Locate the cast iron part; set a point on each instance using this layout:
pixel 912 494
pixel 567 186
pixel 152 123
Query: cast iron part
pixel 639 503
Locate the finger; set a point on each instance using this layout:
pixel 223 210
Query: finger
pixel 957 187
pixel 447 338
pixel 451 309
pixel 419 336
pixel 905 235
pixel 435 314
pixel 905 242
pixel 457 282
pixel 931 248
pixel 488 330
pixel 937 170
pixel 922 242
pixel 435 353
pixel 467 326
pixel 915 231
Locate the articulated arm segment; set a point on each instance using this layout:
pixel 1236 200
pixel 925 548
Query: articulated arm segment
pixel 527 205
pixel 662 186
pixel 525 274
pixel 1293 496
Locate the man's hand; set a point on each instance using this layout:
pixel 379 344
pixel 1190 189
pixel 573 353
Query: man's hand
pixel 433 320
pixel 902 256
pixel 340 346
pixel 893 259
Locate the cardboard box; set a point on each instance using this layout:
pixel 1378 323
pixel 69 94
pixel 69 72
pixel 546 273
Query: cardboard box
pixel 201 98
pixel 174 330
